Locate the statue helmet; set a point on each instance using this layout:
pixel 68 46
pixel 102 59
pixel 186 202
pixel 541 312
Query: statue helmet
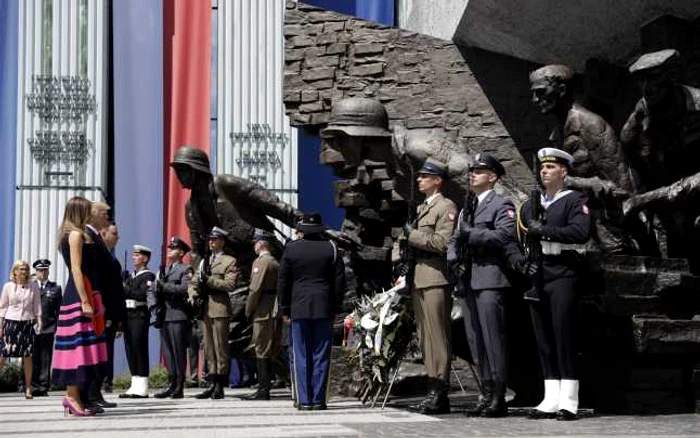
pixel 357 117
pixel 192 157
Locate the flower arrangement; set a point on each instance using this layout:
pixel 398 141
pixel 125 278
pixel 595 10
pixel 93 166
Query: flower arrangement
pixel 380 331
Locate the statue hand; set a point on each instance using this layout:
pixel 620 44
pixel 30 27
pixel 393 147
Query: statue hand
pixel 632 205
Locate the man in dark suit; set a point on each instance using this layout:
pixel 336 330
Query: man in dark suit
pixel 43 346
pixel 310 291
pixel 170 292
pixel 485 230
pixel 103 280
pixel 110 237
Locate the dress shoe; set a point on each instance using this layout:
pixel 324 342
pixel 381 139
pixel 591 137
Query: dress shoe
pixel 564 415
pixel 95 409
pixel 178 388
pixel 486 395
pixel 305 407
pixel 167 392
pixel 205 394
pixel 497 407
pixel 319 407
pixel 536 414
pixel 105 404
pixel 218 392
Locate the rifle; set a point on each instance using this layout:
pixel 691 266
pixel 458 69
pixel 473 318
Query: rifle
pixel 533 246
pixel 408 253
pixel 464 257
pixel 160 297
pixel 200 303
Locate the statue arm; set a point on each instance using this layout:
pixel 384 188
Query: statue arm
pixel 237 190
pixel 663 195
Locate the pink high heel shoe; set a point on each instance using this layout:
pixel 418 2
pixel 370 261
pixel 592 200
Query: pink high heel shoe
pixel 69 408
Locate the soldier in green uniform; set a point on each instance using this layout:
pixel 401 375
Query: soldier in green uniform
pixel 261 307
pixel 432 300
pixel 213 281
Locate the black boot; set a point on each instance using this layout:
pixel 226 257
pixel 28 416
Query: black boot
pixel 263 391
pixel 497 408
pixel 219 387
pixel 437 401
pixel 486 395
pixel 209 391
pixel 178 388
pixel 167 392
pixel 420 406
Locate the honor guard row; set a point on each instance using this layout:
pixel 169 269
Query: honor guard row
pixel 481 254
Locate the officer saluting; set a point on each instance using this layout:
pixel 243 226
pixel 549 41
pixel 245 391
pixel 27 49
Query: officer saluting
pixel 261 307
pixel 432 300
pixel 137 322
pixel 565 227
pixel 171 292
pixel 43 346
pixel 487 229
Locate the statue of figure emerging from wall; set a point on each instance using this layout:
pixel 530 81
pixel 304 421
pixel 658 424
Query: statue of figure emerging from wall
pixel 661 140
pixel 357 146
pixel 599 166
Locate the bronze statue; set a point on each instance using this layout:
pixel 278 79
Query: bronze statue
pixel 599 166
pixel 356 144
pixel 661 140
pixel 231 203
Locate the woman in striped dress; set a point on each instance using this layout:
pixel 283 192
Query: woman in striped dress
pixel 80 353
pixel 20 316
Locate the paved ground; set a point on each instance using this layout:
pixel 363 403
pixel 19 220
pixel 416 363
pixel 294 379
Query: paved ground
pixel 232 417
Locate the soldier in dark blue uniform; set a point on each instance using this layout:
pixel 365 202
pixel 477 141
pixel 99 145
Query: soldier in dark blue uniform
pixel 563 231
pixel 487 229
pixel 310 291
pixel 169 295
pixel 43 345
pixel 137 322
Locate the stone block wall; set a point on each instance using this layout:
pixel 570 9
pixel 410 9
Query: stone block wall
pixel 424 82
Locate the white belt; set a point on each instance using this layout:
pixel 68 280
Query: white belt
pixel 555 248
pixel 133 304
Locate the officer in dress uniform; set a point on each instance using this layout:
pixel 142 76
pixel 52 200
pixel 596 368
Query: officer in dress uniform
pixel 310 291
pixel 565 229
pixel 486 229
pixel 137 322
pixel 43 345
pixel 432 300
pixel 215 278
pixel 170 292
pixel 261 307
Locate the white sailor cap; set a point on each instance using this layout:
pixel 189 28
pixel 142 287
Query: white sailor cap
pixel 554 155
pixel 140 249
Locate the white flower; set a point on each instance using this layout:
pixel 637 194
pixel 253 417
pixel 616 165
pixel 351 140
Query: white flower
pixel 368 323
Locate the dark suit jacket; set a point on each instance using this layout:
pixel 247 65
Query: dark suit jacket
pixel 50 305
pixel 492 233
pixel 108 280
pixel 176 280
pixel 311 282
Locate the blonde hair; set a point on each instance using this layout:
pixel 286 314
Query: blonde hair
pixel 15 266
pixel 75 217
